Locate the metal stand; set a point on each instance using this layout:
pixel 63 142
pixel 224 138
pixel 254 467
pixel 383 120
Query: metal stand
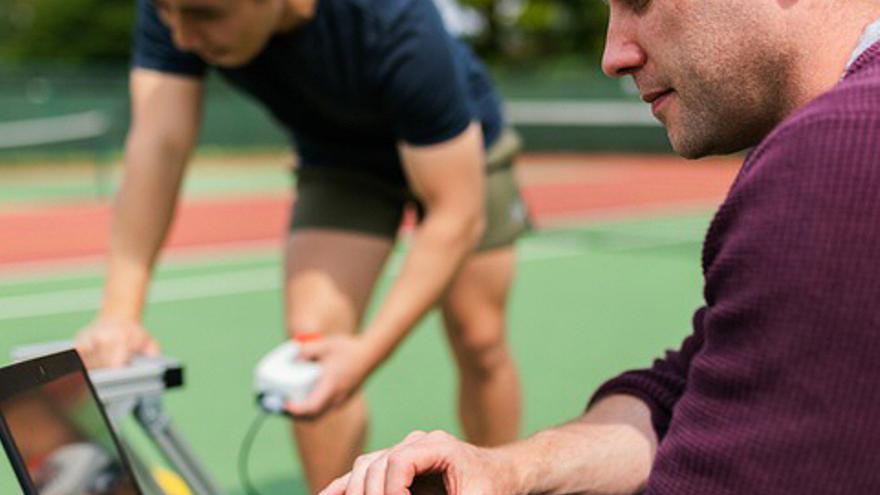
pixel 137 389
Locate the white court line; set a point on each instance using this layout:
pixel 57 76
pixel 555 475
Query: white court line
pixel 175 259
pixel 206 286
pixel 183 289
pixel 48 130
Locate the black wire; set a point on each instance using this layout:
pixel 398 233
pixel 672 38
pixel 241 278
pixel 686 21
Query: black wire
pixel 244 453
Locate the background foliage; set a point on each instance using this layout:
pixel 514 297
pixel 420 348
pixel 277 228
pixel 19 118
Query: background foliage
pixel 82 31
pixel 68 30
pixel 526 30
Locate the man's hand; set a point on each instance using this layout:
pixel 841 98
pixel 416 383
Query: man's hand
pixel 427 464
pixel 111 343
pixel 610 449
pixel 345 363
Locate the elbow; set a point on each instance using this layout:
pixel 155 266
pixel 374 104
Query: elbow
pixel 461 229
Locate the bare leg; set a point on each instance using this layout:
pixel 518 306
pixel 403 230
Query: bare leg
pixel 329 278
pixel 474 314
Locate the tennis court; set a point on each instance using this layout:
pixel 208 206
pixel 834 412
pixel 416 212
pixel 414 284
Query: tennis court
pixel 607 281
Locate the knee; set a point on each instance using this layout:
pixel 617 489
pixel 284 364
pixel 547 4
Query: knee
pixel 316 302
pixel 479 343
pixel 326 322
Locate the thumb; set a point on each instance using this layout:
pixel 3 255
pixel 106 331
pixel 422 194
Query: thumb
pixel 143 343
pixel 150 347
pixel 83 345
pixel 420 468
pixel 313 351
pixel 316 402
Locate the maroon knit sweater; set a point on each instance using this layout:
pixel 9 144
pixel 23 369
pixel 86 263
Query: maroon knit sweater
pixel 777 391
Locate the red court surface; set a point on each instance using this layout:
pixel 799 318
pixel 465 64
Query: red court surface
pixel 558 188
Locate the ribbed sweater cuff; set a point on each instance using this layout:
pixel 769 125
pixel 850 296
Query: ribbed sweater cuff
pixel 660 400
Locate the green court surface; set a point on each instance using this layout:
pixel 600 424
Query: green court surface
pixel 588 303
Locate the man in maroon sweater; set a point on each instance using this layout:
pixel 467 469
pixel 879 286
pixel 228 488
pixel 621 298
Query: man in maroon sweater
pixel 777 391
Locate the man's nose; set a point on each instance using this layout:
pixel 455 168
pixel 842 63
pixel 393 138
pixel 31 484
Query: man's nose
pixel 623 55
pixel 185 37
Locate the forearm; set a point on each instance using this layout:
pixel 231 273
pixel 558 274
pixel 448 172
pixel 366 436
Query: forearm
pixel 440 245
pixel 609 450
pixel 142 214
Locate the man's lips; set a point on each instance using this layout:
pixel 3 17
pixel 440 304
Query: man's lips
pixel 650 96
pixel 656 98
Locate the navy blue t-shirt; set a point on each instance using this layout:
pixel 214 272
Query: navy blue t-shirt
pixel 352 82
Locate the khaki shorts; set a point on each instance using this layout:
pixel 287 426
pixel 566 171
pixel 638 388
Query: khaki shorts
pixel 344 199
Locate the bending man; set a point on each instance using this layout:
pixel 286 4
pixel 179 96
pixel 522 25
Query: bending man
pixel 385 109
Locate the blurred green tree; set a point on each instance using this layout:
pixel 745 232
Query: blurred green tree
pixel 527 30
pixel 100 30
pixel 68 30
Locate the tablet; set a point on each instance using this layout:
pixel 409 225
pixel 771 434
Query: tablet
pixel 56 433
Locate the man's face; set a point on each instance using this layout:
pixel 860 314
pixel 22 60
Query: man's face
pixel 715 72
pixel 227 33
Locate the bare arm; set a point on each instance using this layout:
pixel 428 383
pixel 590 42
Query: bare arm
pixel 166 110
pixel 165 113
pixel 609 450
pixel 448 178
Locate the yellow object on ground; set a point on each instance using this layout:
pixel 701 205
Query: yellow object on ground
pixel 170 482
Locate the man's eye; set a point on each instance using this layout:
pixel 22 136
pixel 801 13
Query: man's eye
pixel 636 6
pixel 204 16
pixel 640 6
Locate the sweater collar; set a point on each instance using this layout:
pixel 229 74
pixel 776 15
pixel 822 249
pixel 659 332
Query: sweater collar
pixel 868 45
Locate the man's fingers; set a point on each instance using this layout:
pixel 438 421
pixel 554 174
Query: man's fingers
pixel 117 356
pixel 337 487
pixel 359 472
pixel 152 350
pixel 368 475
pixel 149 346
pixel 109 343
pixel 429 454
pixel 86 350
pixel 93 356
pixel 313 350
pixel 99 353
pixel 412 437
pixel 374 480
pixel 315 403
pixel 83 346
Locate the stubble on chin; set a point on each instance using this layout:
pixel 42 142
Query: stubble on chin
pixel 732 110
